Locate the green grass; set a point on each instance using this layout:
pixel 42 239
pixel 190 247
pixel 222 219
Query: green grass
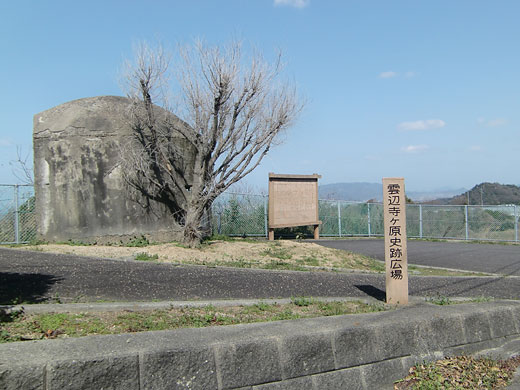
pixel 309 260
pixel 143 256
pixel 21 327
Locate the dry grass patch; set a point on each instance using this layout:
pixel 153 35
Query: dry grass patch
pixel 460 372
pixel 280 254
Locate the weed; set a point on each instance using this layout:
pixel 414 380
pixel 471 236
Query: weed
pixel 32 327
pixel 138 242
pixel 481 299
pixel 38 242
pixel 282 265
pixel 143 256
pixel 56 298
pixel 10 315
pixel 220 237
pixel 72 242
pixel 238 263
pixel 301 301
pixel 309 260
pixel 439 300
pixel 279 253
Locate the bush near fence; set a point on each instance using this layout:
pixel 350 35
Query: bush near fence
pixel 246 215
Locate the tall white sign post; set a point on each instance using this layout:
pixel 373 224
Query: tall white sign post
pixel 396 257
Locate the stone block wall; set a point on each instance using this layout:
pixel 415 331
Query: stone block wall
pixel 367 351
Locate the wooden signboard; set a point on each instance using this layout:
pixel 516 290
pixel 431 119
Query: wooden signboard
pixel 293 201
pixel 396 257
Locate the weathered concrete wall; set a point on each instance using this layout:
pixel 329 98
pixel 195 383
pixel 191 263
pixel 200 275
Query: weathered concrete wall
pixel 79 188
pixel 366 351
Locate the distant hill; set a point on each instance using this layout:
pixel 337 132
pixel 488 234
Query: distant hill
pixel 365 191
pixel 485 193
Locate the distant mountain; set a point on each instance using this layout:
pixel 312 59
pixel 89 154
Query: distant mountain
pixel 484 193
pixel 423 196
pixel 365 191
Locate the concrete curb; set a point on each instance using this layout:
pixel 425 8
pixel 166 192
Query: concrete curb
pixel 366 351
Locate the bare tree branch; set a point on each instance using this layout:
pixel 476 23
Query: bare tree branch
pixel 22 167
pixel 232 111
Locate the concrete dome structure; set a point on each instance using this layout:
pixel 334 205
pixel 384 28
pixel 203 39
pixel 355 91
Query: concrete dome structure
pixel 80 192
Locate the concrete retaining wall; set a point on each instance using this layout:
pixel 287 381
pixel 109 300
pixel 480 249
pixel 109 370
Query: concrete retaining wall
pixel 367 351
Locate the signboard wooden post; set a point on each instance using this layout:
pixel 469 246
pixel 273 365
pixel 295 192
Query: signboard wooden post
pixel 293 201
pixel 396 257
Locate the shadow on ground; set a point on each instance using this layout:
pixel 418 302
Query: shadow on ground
pixel 372 291
pixel 16 288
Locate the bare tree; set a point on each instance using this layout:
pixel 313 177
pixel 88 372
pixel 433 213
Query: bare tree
pixel 233 110
pixel 22 167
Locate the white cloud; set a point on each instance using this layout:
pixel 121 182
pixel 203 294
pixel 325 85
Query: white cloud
pixel 4 142
pixel 391 74
pixel 292 3
pixel 387 75
pixel 427 124
pixel 492 122
pixel 475 148
pixel 414 148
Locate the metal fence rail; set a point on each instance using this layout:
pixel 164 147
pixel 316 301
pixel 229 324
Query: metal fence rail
pixel 246 215
pixel 235 214
pixel 17 217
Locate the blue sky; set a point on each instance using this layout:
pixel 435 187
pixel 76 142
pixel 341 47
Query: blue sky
pixel 426 90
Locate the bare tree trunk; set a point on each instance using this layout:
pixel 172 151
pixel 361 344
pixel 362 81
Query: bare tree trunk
pixel 192 230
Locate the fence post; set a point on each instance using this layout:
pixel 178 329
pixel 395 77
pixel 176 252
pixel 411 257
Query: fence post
pixel 266 229
pixel 339 219
pixel 220 223
pixel 368 219
pixel 466 220
pixel 16 216
pixel 420 221
pixel 516 224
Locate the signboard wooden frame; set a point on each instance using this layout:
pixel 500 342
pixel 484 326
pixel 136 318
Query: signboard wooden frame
pixel 293 201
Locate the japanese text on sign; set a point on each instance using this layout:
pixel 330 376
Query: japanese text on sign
pixel 394 204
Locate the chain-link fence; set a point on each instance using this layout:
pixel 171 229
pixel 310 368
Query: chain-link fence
pixel 240 215
pixel 246 215
pixel 17 218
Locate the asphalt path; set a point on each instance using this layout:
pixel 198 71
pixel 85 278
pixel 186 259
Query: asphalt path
pixel 31 277
pixel 489 258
